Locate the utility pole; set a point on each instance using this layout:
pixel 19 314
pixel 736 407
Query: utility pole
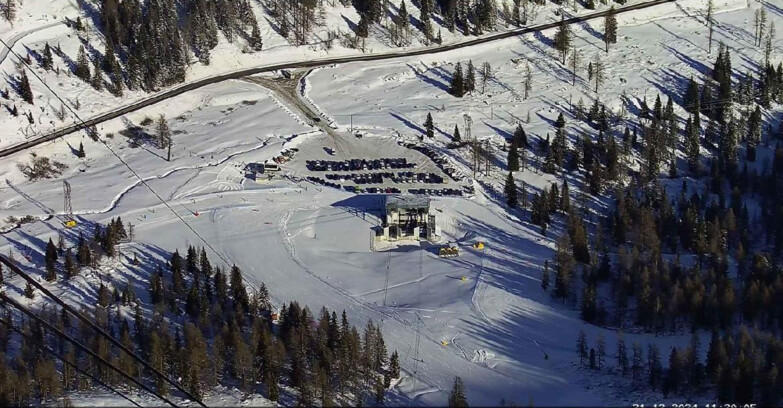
pixel 487 156
pixel 67 208
pixel 168 158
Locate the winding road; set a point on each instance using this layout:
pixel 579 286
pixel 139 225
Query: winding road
pixel 12 42
pixel 312 63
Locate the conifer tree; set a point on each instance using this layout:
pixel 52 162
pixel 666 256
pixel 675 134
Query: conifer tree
pixel 80 153
pixel 470 78
pixel 9 10
pixel 457 396
pixel 163 132
pixel 691 98
pixel 576 63
pixel 654 368
pixel 456 136
pixel 82 65
pixel 674 374
pixel 46 60
pixel 610 28
pixel 425 18
pixel 636 363
pixel 394 365
pixel 51 260
pixel 520 137
pixel 511 191
pixel 513 157
pixel 457 82
pixel 97 78
pixel 581 346
pixel 528 80
pixel 622 355
pixel 563 39
pixel 545 276
pixel 29 291
pixel 69 265
pixel 429 126
pixel 24 88
pixel 238 291
pixel 599 73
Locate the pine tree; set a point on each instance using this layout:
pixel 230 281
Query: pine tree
pixel 510 191
pixel 513 157
pixel 581 346
pixel 691 98
pixel 9 10
pixel 563 39
pixel 470 78
pixel 457 82
pixel 255 38
pixel 599 73
pixel 24 88
pixel 29 291
pixel 457 397
pixel 394 365
pixel 576 61
pixel 637 358
pixel 588 308
pixel 610 28
pixel 674 374
pixel 622 355
pixel 528 80
pixel 97 78
pixel 238 290
pixel 82 65
pixel 429 126
pixel 51 260
pixel 69 265
pixel 654 365
pixel 104 296
pixel 520 138
pixel 163 132
pixel 47 61
pixel 456 136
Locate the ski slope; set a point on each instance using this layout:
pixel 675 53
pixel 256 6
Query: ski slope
pixel 311 244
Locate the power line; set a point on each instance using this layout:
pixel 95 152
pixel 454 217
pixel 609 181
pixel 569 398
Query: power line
pixel 121 160
pixel 71 364
pixel 80 346
pixel 95 327
pixel 103 142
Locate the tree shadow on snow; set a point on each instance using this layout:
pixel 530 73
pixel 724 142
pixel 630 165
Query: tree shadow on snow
pixel 408 123
pixel 423 77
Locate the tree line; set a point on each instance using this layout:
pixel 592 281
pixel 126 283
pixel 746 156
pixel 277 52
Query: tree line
pixel 201 324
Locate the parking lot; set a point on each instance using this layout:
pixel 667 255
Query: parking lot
pixel 378 165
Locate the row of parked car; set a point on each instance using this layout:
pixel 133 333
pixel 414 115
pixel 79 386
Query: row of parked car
pixel 436 157
pixel 318 180
pixel 374 190
pixel 443 192
pixel 359 164
pixel 378 178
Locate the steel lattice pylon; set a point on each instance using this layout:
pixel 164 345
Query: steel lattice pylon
pixel 67 199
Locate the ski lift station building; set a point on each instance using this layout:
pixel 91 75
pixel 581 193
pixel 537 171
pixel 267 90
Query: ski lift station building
pixel 407 217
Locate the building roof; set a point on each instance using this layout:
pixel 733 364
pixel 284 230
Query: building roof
pixel 407 202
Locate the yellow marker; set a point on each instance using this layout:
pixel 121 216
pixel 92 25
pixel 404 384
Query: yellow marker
pixel 464 278
pixel 70 223
pixel 444 343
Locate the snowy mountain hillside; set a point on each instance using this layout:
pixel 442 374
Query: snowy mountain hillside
pixel 606 201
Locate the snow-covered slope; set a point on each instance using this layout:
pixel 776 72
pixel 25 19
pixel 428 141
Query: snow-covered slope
pixel 496 329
